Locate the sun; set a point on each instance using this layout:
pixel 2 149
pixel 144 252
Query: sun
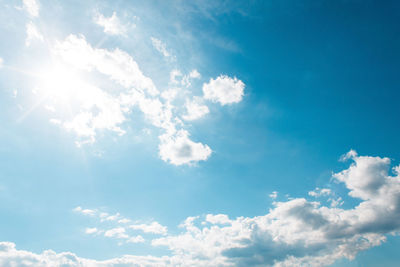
pixel 59 82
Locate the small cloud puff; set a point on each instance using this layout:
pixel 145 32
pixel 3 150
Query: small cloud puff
pixel 178 149
pixel 112 25
pixel 224 89
pixel 273 195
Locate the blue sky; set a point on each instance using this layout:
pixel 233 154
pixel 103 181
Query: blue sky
pixel 208 133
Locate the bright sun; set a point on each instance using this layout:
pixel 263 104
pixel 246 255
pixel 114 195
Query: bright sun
pixel 59 82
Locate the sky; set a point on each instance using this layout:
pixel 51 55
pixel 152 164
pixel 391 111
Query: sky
pixel 199 133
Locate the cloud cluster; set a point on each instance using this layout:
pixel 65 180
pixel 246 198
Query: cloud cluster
pixel 88 107
pixel 300 232
pixel 118 227
pixel 102 109
pixel 296 232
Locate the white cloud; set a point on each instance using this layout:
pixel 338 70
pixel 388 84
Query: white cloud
pixel 273 195
pixel 195 110
pixel 10 256
pixel 194 74
pixel 92 230
pixel 112 217
pixel 124 220
pixel 218 219
pixel 101 109
pixel 186 80
pixel 351 154
pixel 336 202
pixel 55 121
pixel 112 25
pixel 178 149
pixel 32 7
pixel 116 64
pixel 118 232
pixel 85 211
pixel 320 192
pixel 119 228
pixel 135 239
pixel 161 47
pixel 224 90
pixel 297 232
pixel 153 227
pixel 1 62
pixel 173 75
pixel 32 33
pixel 170 94
pixel 302 233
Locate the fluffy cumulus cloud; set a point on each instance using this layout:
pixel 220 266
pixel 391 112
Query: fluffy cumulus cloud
pixel 32 7
pixel 111 25
pixel 296 232
pixel 90 91
pixel 224 90
pixel 300 232
pixel 104 110
pixel 10 256
pixel 108 106
pixel 1 62
pixel 178 149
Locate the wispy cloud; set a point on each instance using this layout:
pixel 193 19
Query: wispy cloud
pixel 32 7
pixel 162 48
pixel 32 33
pixel 121 227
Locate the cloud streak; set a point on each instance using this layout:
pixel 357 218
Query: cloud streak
pixel 31 6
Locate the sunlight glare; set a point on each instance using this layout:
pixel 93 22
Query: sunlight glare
pixel 59 82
